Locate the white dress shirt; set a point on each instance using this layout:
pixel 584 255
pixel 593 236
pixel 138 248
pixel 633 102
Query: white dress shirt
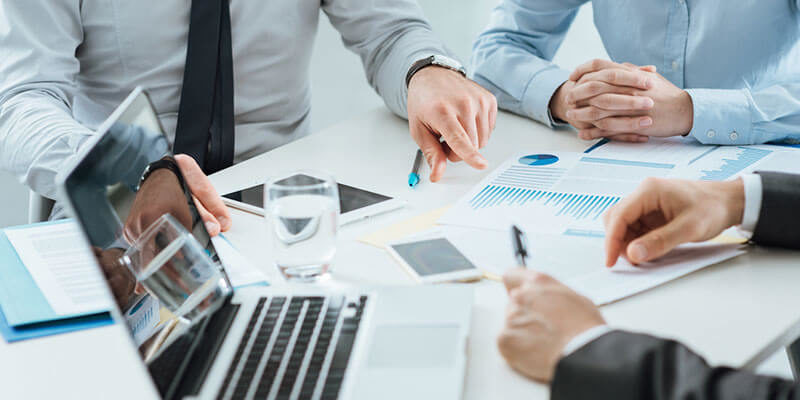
pixel 66 64
pixel 752 208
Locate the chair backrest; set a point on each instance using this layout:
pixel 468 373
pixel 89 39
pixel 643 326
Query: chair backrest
pixel 39 207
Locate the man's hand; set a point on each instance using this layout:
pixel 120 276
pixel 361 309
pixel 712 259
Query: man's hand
pixel 661 214
pixel 161 193
pixel 623 115
pixel 443 104
pixel 614 92
pixel 543 316
pixel 209 204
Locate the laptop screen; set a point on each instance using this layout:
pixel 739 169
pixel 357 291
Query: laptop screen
pixel 114 205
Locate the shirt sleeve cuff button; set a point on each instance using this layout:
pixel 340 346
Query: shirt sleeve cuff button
pixel 711 133
pixel 734 135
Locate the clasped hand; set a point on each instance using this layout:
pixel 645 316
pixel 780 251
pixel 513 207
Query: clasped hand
pixel 604 99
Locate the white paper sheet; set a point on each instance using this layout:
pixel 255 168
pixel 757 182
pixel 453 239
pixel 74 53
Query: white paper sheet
pixel 692 160
pixel 241 272
pixel 724 162
pixel 566 196
pixel 781 160
pixel 63 267
pixel 677 151
pixel 702 162
pixel 579 262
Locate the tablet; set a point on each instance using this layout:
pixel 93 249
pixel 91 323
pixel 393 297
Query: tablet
pixel 355 204
pixel 434 261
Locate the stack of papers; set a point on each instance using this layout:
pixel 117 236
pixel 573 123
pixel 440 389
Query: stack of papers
pixel 49 282
pixel 560 199
pixel 560 193
pixel 687 159
pixel 568 193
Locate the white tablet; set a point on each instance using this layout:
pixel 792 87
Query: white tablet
pixel 355 204
pixel 434 261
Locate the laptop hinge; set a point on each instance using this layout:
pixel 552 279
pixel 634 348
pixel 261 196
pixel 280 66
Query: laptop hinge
pixel 206 351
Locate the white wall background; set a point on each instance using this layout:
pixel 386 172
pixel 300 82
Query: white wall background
pixel 340 88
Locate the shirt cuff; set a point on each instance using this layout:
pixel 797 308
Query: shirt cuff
pixel 584 338
pixel 752 203
pixel 721 116
pixel 537 95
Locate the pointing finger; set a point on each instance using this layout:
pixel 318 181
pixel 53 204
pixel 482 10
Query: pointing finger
pixel 431 149
pixel 458 140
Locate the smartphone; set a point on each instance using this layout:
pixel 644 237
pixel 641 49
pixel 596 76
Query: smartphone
pixel 434 260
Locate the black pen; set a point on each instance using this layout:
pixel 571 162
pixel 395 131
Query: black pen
pixel 520 243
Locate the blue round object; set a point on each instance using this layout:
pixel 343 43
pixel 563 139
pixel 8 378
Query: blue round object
pixel 538 159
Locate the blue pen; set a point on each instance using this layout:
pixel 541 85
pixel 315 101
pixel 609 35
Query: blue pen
pixel 413 177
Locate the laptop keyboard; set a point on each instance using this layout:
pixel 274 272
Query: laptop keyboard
pixel 294 348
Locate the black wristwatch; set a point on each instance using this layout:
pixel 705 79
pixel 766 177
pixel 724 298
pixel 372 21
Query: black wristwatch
pixel 439 61
pixel 165 163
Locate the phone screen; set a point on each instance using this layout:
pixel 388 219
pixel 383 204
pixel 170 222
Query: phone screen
pixel 433 257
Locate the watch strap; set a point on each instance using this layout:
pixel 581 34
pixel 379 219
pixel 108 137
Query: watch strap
pixel 428 61
pixel 163 163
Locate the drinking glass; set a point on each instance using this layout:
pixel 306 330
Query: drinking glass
pixel 302 212
pixel 172 266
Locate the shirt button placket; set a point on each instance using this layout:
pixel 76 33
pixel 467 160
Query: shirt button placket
pixel 675 51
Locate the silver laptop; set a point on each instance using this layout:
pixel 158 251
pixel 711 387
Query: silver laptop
pixel 289 342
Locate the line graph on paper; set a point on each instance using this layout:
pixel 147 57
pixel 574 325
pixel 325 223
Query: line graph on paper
pixel 724 162
pixel 733 162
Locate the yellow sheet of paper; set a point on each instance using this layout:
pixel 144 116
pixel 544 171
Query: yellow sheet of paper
pixel 165 316
pixel 417 224
pixel 726 238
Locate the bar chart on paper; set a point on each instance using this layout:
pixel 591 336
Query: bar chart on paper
pixel 577 206
pixel 526 190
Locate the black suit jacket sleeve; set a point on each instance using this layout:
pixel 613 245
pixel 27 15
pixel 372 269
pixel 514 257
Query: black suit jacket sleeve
pixel 622 365
pixel 779 218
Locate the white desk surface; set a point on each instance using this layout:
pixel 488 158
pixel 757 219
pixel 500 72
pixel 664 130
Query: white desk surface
pixel 733 313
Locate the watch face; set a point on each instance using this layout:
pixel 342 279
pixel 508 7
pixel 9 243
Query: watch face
pixel 448 62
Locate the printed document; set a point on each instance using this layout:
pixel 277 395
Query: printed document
pixel 63 267
pixel 562 193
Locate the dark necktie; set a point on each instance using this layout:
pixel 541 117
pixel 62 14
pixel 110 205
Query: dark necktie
pixel 205 127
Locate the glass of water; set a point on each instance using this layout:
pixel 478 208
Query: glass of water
pixel 302 212
pixel 172 266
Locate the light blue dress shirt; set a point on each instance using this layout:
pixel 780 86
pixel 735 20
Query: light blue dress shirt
pixel 739 60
